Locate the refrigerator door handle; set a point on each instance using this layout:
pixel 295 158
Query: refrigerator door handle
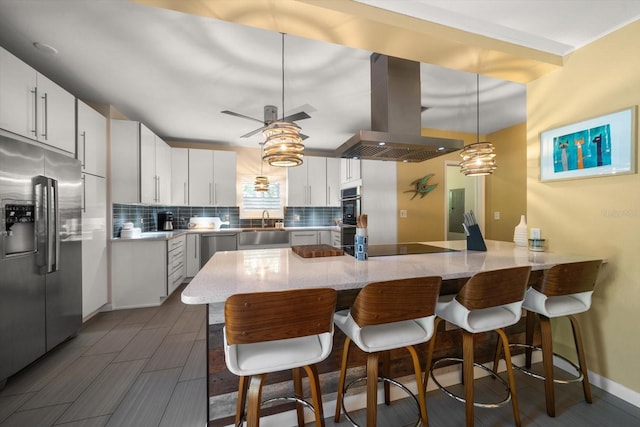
pixel 47 223
pixel 53 229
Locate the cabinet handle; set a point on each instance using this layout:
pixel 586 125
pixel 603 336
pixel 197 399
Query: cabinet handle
pixel 210 194
pixel 84 149
pixel 158 190
pixel 215 193
pixel 84 194
pixel 35 112
pixel 46 118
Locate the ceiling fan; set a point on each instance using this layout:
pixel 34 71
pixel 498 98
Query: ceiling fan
pixel 270 115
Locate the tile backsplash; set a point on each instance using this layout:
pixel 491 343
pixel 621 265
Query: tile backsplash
pixel 146 216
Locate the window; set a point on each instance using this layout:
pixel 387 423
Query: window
pixel 260 200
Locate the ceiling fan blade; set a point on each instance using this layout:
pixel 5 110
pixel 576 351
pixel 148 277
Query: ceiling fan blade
pixel 232 113
pixel 303 136
pixel 253 132
pixel 297 116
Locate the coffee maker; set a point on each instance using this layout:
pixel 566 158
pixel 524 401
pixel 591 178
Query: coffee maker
pixel 165 221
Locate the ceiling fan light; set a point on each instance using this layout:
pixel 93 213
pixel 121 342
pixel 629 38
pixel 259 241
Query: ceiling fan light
pixel 283 145
pixel 478 159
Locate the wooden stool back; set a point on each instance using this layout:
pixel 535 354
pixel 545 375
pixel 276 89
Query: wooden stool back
pixel 269 316
pixel 396 300
pixel 570 278
pixel 493 288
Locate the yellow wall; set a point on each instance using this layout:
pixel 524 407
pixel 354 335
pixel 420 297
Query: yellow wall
pixel 595 216
pixel 505 189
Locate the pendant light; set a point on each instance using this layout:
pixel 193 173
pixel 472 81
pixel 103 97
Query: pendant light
pixel 478 158
pixel 283 143
pixel 262 182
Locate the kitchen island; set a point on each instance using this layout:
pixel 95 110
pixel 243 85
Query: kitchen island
pixel 232 272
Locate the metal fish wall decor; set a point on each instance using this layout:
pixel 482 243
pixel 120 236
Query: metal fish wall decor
pixel 422 186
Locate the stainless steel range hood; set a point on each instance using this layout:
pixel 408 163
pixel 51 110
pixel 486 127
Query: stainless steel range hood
pixel 395 117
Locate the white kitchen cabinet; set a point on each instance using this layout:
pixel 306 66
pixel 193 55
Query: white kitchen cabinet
pixel 138 273
pixel 212 177
pixel 125 161
pixel 350 171
pixel 176 266
pixel 307 183
pixel 336 239
pixel 33 106
pixel 192 250
pixel 298 238
pixel 140 165
pixel 155 168
pixel 333 181
pixel 91 140
pixel 94 243
pixel 379 201
pixel 179 176
pixel 324 237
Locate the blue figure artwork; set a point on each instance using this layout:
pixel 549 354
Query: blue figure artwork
pixel 584 149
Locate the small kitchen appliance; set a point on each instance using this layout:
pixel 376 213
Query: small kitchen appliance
pixel 165 221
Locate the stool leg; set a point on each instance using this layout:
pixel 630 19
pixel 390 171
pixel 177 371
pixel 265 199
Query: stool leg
pixel 547 362
pixel 421 394
pixel 512 382
pixel 386 372
pixel 343 373
pixel 316 395
pixel 372 389
pixel 496 357
pixel 432 343
pixel 297 390
pixel 530 328
pixel 242 399
pixel 467 368
pixel 255 397
pixel 577 338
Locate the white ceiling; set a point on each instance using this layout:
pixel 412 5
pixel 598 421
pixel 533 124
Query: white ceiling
pixel 176 72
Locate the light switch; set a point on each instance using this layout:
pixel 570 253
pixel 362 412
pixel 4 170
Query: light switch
pixel 403 213
pixel 496 215
pixel 535 233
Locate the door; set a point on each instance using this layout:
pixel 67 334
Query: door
pixel 464 191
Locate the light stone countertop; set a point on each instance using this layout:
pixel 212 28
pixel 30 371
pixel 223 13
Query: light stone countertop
pixel 166 235
pixel 232 272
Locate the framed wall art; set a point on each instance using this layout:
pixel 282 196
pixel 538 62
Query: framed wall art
pixel 600 146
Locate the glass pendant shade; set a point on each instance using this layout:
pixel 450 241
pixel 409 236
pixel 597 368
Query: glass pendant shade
pixel 478 159
pixel 283 145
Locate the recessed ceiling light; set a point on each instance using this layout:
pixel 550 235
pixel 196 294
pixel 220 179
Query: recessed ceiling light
pixel 43 47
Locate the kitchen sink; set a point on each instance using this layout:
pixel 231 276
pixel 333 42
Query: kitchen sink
pixel 262 236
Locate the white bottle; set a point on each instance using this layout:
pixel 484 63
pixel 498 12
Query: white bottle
pixel 520 233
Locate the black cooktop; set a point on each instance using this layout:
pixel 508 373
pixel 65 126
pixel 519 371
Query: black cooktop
pixel 404 249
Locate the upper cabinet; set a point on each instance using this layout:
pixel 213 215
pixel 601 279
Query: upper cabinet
pixel 155 168
pixel 140 165
pixel 92 140
pixel 179 176
pixel 314 183
pixel 212 177
pixel 350 170
pixel 33 106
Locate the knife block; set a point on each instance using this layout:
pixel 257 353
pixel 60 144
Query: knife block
pixel 475 242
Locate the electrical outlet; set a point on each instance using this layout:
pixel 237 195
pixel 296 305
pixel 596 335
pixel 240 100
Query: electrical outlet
pixel 403 213
pixel 535 233
pixel 496 215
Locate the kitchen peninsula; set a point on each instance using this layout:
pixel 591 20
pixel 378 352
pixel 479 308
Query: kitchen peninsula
pixel 232 272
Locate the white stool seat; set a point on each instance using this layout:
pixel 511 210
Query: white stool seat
pixel 556 306
pixel 273 356
pixel 479 320
pixel 387 336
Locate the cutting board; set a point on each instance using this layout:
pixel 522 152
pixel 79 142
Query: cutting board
pixel 316 251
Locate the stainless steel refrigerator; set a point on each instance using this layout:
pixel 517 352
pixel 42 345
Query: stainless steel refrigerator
pixel 40 252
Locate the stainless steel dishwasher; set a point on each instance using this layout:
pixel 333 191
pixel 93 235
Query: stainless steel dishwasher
pixel 214 242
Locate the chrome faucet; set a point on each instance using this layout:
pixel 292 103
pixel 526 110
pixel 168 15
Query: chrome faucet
pixel 263 213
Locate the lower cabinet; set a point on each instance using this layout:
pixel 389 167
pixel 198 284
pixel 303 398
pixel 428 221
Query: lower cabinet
pixel 144 272
pixel 298 238
pixel 192 251
pixel 336 239
pixel 94 244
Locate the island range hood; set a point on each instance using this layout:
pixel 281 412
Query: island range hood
pixel 395 117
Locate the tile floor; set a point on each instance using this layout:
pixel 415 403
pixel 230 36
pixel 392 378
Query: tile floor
pixel 140 367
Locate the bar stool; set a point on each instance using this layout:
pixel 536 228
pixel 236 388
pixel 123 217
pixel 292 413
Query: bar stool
pixel 267 332
pixel 386 316
pixel 564 290
pixel 488 301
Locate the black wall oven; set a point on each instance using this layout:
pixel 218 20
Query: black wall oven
pixel 350 201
